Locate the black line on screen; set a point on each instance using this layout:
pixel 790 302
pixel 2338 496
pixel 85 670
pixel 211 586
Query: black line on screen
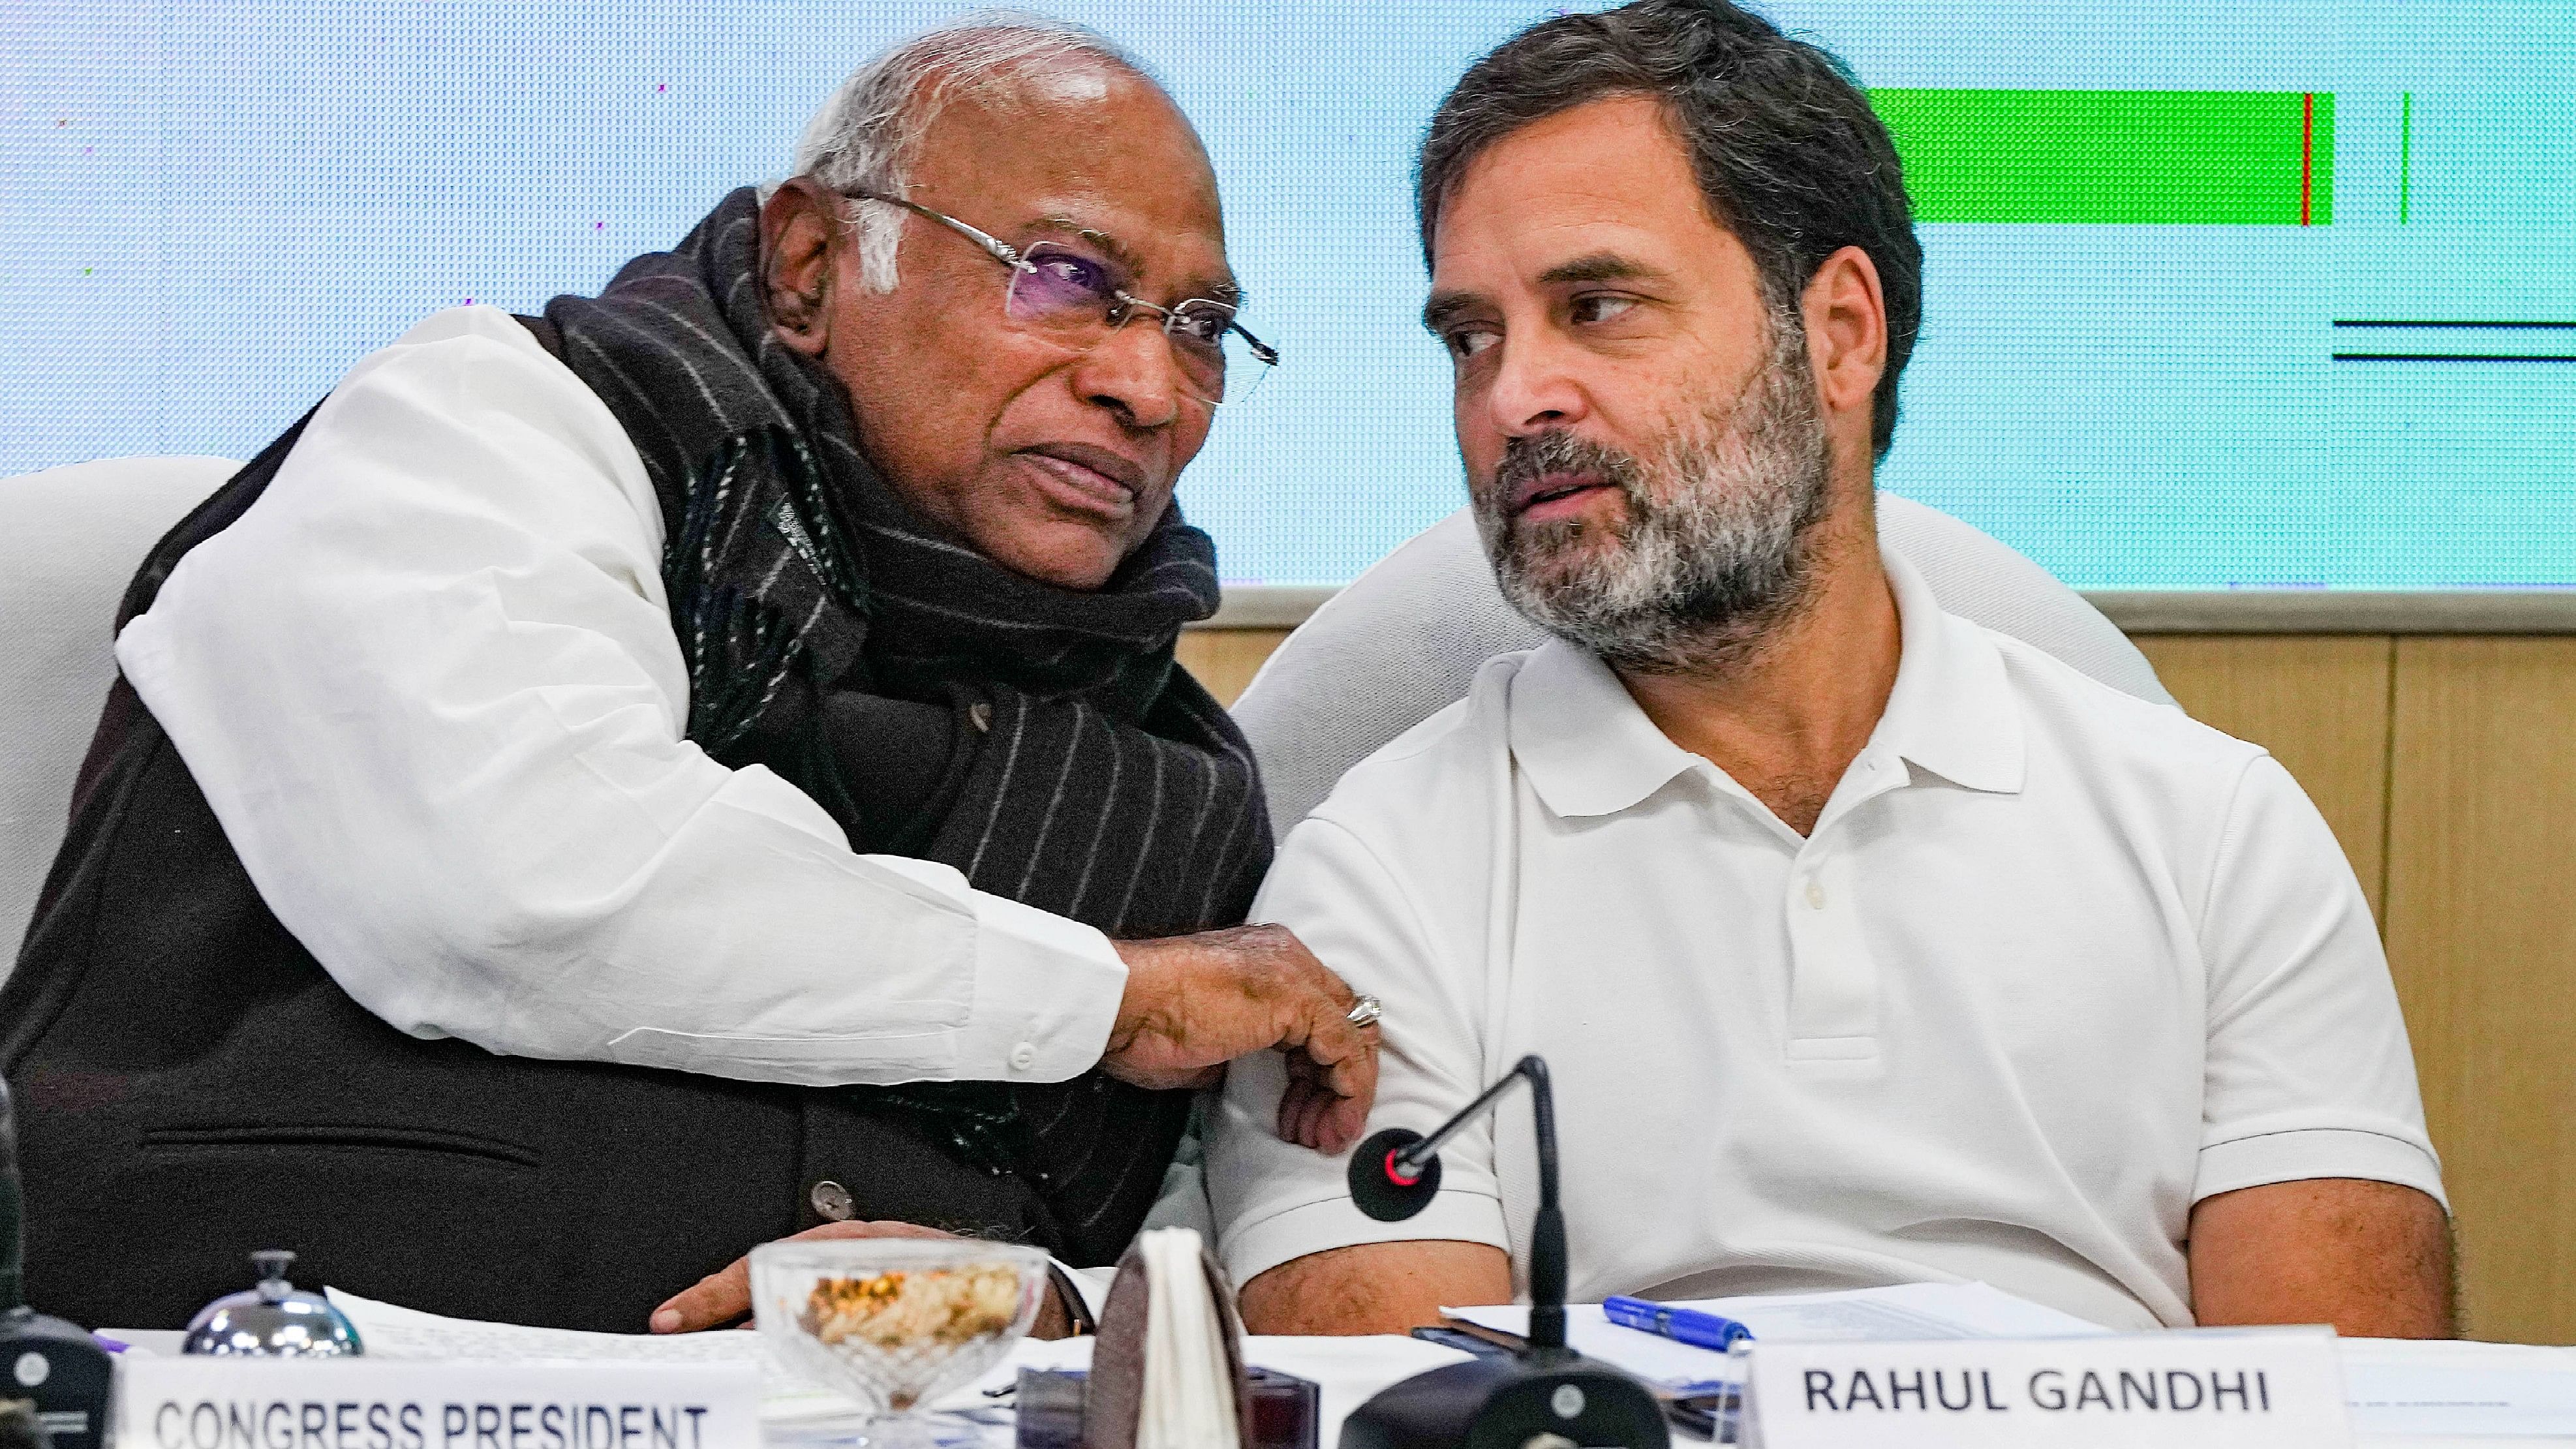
pixel 2501 326
pixel 2455 357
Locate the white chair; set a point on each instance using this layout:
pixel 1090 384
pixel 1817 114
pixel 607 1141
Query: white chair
pixel 1406 638
pixel 75 536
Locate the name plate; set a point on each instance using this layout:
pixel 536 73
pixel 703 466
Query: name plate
pixel 203 1402
pixel 2275 1390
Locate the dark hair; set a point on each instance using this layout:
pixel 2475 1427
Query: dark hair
pixel 1790 157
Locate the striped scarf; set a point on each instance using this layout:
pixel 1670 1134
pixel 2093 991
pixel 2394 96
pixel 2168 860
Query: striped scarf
pixel 1098 781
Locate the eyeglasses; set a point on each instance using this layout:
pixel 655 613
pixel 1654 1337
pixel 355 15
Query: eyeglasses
pixel 1075 299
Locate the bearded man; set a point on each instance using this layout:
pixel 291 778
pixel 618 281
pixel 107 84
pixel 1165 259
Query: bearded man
pixel 1865 945
pixel 608 790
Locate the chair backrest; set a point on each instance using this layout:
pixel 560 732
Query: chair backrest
pixel 75 537
pixel 1406 638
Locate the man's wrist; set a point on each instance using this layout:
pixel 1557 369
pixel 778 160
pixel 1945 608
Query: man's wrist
pixel 1139 1000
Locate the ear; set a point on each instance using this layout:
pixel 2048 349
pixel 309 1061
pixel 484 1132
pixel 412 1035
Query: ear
pixel 1846 316
pixel 799 224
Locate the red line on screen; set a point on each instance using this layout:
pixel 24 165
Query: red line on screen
pixel 2307 152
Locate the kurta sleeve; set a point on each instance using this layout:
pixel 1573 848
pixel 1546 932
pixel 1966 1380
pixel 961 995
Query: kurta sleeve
pixel 429 686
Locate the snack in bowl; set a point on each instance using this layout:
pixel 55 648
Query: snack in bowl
pixel 894 1323
pixel 949 1306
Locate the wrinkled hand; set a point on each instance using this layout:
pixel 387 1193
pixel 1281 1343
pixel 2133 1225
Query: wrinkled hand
pixel 724 1296
pixel 1194 1003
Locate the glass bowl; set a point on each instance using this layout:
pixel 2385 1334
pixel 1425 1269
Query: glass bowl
pixel 896 1322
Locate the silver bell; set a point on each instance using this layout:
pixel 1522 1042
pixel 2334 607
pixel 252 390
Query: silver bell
pixel 274 1320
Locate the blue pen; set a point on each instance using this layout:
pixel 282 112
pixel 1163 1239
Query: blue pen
pixel 1681 1325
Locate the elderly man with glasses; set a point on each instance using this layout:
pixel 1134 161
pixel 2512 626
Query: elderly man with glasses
pixel 612 788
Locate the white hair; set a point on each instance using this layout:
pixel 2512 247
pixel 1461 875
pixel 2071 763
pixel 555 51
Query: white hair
pixel 868 136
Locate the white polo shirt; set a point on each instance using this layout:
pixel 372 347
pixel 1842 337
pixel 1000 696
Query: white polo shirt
pixel 2055 964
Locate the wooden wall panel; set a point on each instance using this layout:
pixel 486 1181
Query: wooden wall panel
pixel 2482 849
pixel 2319 703
pixel 1226 659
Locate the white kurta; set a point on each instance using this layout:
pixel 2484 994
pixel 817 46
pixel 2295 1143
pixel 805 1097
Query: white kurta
pixel 429 686
pixel 2054 965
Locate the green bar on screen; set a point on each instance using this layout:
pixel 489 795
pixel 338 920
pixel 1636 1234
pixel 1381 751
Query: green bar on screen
pixel 2136 158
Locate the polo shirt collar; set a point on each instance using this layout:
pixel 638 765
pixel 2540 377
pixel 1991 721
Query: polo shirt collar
pixel 1952 711
pixel 1582 741
pixel 1587 749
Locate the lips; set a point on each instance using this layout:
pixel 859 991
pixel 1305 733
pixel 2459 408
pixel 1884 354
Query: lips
pixel 1088 477
pixel 1539 493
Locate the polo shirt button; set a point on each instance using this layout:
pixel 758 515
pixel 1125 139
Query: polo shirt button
pixel 832 1202
pixel 1023 1057
pixel 1815 895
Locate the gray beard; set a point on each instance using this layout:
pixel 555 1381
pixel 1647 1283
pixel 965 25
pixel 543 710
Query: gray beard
pixel 1716 552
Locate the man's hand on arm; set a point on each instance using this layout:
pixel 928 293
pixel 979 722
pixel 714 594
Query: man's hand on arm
pixel 724 1296
pixel 1194 1003
pixel 1375 1287
pixel 2371 1258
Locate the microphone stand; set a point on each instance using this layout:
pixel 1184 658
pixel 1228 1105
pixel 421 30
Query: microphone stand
pixel 1545 1389
pixel 1411 1159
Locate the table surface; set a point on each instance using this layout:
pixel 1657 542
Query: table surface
pixel 1349 1370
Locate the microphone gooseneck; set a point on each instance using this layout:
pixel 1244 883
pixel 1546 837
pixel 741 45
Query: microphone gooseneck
pixel 1547 1225
pixel 1395 1174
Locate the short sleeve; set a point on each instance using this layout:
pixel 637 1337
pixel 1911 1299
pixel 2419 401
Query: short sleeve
pixel 2309 1074
pixel 1276 1201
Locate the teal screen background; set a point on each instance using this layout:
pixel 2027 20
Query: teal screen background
pixel 208 211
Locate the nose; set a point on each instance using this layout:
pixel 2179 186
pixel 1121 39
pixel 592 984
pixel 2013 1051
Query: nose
pixel 1133 373
pixel 1532 386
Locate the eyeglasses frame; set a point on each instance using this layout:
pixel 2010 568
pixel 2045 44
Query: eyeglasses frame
pixel 1128 304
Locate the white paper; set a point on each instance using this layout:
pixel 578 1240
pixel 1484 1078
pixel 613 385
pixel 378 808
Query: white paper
pixel 2489 1390
pixel 2396 1389
pixel 391 1332
pixel 143 1342
pixel 1909 1312
pixel 1348 1371
pixel 1656 1359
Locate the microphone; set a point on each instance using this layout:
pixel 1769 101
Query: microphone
pixel 1387 1184
pixel 1544 1394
